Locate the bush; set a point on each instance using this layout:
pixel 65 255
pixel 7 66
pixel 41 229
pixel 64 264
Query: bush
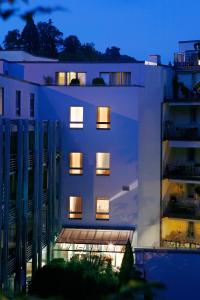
pixel 98 81
pixel 75 81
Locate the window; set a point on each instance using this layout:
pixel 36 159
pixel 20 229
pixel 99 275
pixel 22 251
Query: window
pixel 116 78
pixel 1 101
pixel 32 105
pixel 76 117
pixel 102 208
pixel 76 75
pixel 103 117
pixel 102 163
pixel 75 207
pixel 76 163
pixel 18 103
pixel 61 78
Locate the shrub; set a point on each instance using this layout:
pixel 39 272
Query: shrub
pixel 48 80
pixel 98 81
pixel 75 81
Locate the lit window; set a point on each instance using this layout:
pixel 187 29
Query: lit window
pixel 102 163
pixel 61 78
pixel 116 78
pixel 102 208
pixel 76 75
pixel 75 207
pixel 1 101
pixel 76 117
pixel 76 163
pixel 103 117
pixel 18 103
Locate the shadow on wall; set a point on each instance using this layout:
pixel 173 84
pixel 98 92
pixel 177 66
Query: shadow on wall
pixel 178 270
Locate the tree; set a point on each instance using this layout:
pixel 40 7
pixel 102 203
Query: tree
pixel 128 271
pixel 113 53
pixel 30 37
pixel 12 40
pixel 50 38
pixel 72 48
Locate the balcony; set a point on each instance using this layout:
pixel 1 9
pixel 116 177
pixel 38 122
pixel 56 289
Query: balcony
pixel 183 171
pixel 178 207
pixel 186 132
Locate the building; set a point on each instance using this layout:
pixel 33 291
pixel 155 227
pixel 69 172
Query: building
pixel 110 146
pixel 29 184
pixel 180 153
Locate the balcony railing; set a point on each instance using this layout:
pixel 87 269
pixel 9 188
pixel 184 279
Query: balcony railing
pixel 183 171
pixel 181 133
pixel 182 208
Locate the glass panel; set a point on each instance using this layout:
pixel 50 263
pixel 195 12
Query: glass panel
pixel 106 77
pixel 103 117
pixel 75 207
pixel 103 163
pixel 82 78
pixel 102 205
pixel 76 163
pixel 70 76
pixel 61 78
pixel 115 78
pixel 76 117
pixel 126 78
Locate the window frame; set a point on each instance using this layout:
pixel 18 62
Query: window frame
pixel 108 123
pixel 18 103
pixel 106 170
pixel 98 214
pixel 65 79
pixel 76 122
pixel 79 213
pixel 71 168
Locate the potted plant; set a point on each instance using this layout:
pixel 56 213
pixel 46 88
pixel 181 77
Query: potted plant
pixel 98 81
pixel 75 81
pixel 48 80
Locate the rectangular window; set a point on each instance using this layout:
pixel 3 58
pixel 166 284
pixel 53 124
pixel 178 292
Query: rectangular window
pixel 32 105
pixel 1 101
pixel 116 78
pixel 18 103
pixel 102 208
pixel 81 76
pixel 61 78
pixel 103 117
pixel 76 163
pixel 102 163
pixel 75 207
pixel 76 117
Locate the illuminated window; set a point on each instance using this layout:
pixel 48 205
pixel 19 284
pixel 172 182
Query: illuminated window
pixel 116 78
pixel 61 78
pixel 76 163
pixel 75 207
pixel 1 101
pixel 76 75
pixel 103 117
pixel 102 208
pixel 102 163
pixel 76 117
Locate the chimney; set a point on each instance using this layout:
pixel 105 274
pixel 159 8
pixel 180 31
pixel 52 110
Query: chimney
pixel 155 58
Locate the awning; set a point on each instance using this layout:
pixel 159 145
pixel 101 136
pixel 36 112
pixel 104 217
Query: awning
pixel 94 236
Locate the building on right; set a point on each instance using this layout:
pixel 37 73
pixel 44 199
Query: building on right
pixel 180 191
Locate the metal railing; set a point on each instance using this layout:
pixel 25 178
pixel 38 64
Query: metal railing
pixel 184 171
pixel 181 133
pixel 181 208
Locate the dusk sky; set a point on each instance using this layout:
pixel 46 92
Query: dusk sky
pixel 138 27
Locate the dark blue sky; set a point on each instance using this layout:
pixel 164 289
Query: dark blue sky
pixel 138 27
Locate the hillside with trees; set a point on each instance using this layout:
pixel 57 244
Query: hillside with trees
pixel 45 39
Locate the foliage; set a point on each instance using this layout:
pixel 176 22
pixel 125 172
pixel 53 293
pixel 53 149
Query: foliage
pixel 48 80
pixel 128 271
pixel 184 90
pixel 98 81
pixel 196 87
pixel 90 278
pixel 10 8
pixel 30 37
pixel 12 40
pixel 75 81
